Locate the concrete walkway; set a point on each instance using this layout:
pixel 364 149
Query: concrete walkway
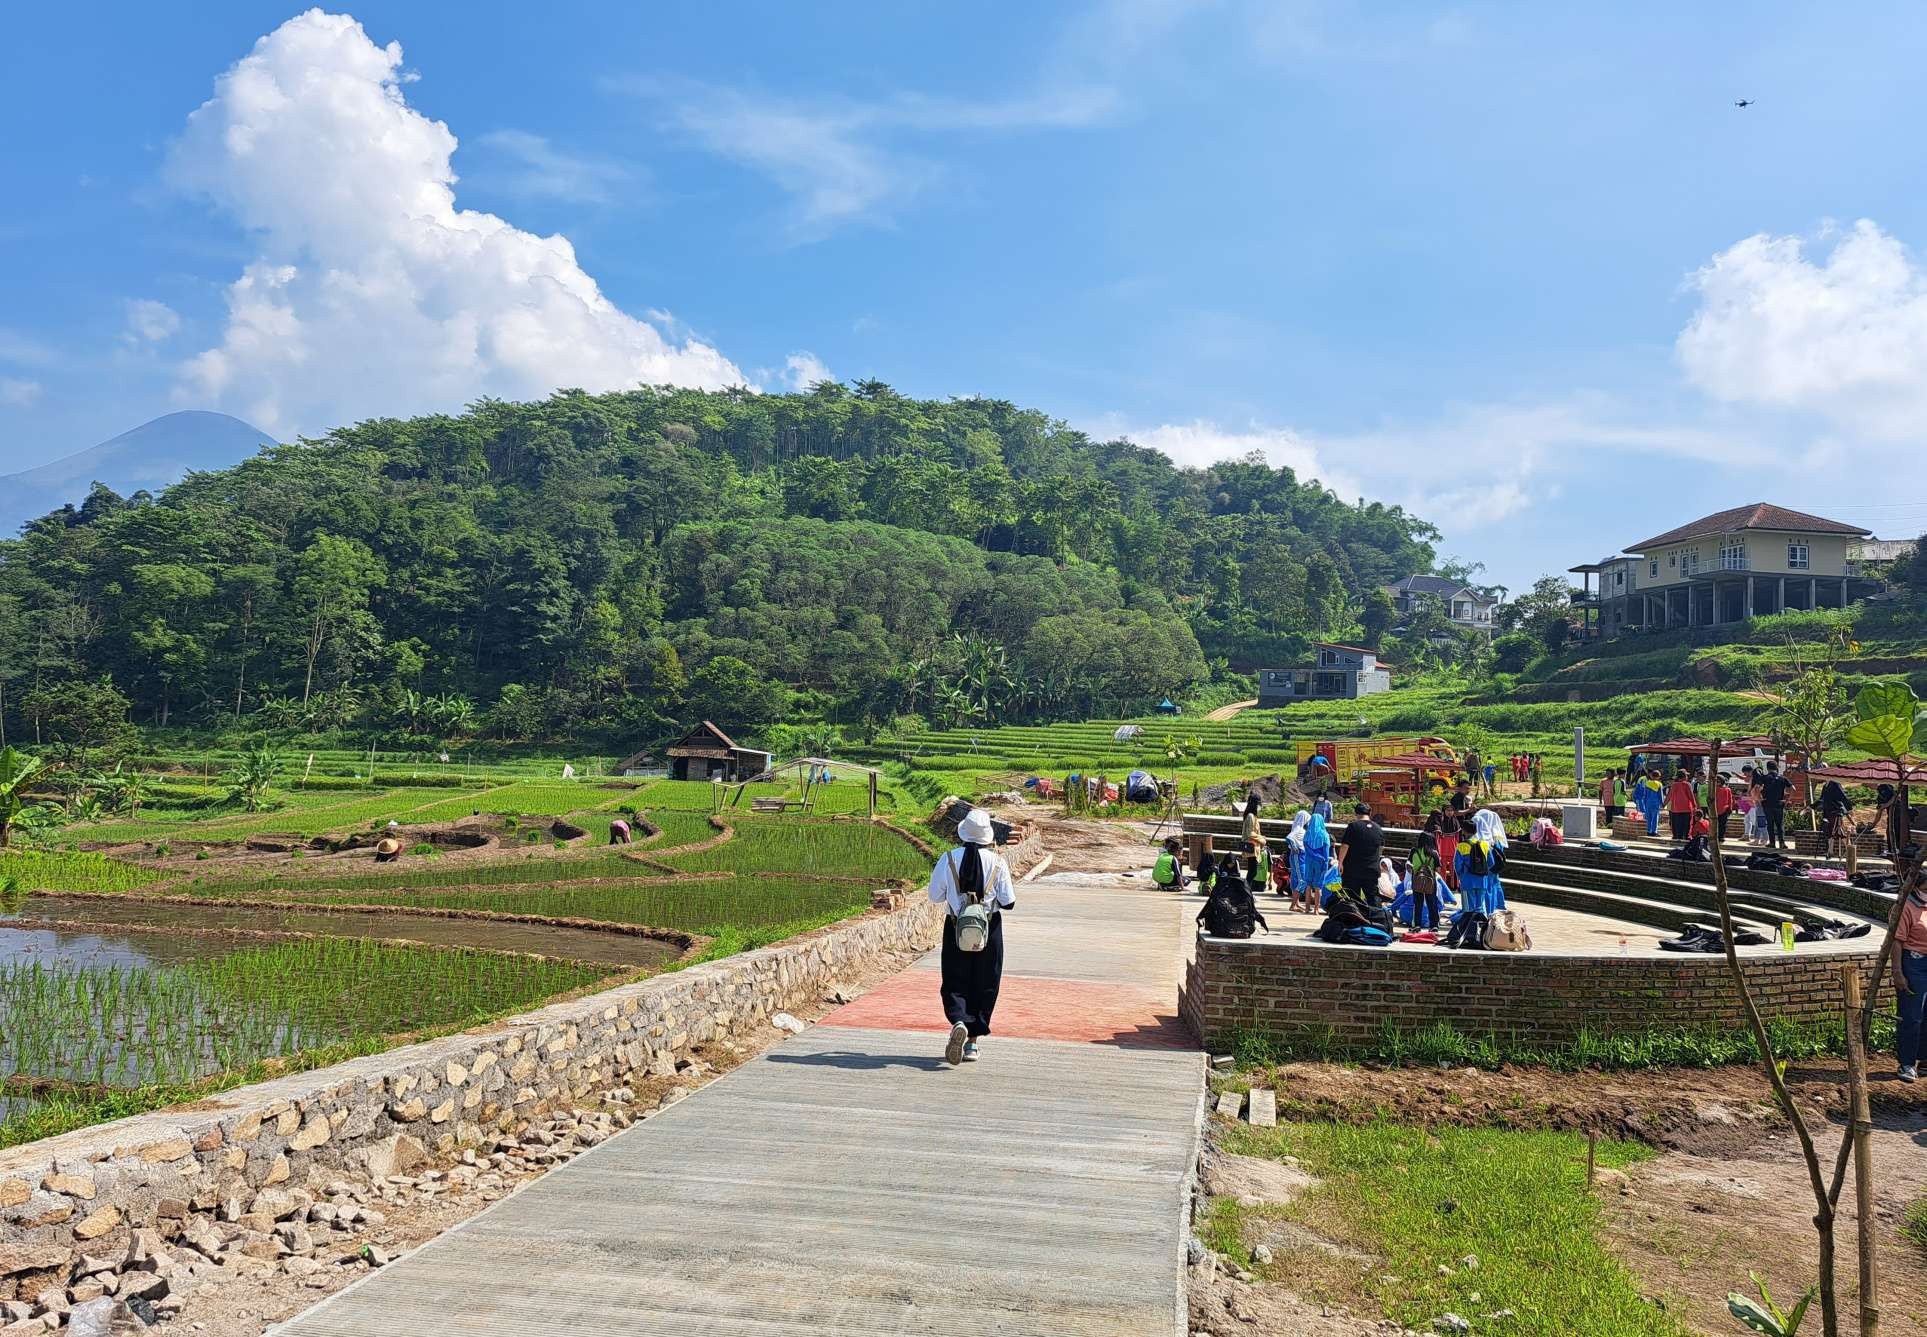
pixel 848 1181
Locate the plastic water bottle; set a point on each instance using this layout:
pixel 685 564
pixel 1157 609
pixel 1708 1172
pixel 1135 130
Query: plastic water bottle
pixel 1623 949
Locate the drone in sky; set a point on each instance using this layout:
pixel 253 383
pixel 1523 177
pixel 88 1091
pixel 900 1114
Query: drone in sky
pixel 1744 102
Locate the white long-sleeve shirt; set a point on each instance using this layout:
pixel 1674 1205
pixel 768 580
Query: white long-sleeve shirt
pixel 943 881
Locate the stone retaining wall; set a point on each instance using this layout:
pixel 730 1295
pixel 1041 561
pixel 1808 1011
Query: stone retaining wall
pixel 1295 991
pixel 85 1191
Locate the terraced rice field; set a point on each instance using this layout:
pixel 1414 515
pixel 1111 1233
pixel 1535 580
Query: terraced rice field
pixel 812 848
pixel 89 1037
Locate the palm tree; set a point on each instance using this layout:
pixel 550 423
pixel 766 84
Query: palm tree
pixel 16 769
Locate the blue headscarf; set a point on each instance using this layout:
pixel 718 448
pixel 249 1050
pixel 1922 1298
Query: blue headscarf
pixel 1316 837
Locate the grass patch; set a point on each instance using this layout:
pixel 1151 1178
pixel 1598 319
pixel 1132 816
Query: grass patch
pixel 1442 1042
pixel 1417 1200
pixel 1913 1223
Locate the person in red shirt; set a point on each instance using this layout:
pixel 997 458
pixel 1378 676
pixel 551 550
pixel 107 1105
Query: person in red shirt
pixel 1681 805
pixel 1723 804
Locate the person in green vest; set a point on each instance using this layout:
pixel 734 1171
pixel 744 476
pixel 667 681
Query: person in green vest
pixel 1168 871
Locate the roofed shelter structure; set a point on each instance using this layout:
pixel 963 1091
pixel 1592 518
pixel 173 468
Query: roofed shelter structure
pixel 707 753
pixel 809 775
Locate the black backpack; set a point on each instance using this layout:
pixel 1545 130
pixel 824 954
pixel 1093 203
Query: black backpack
pixel 1468 930
pixel 1226 917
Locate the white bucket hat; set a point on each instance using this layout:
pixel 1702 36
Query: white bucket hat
pixel 975 828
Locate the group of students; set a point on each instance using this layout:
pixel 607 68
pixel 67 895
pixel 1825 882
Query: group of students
pixel 1525 765
pixel 1457 860
pixel 1761 801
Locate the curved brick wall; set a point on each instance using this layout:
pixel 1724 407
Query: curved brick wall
pixel 1293 990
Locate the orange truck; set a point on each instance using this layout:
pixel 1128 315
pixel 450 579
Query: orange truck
pixel 1348 761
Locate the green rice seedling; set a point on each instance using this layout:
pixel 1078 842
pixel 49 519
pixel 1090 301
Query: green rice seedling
pixel 130 1026
pixel 810 848
pixel 37 870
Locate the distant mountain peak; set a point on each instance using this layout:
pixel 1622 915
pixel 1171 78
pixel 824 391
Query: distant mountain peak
pixel 152 456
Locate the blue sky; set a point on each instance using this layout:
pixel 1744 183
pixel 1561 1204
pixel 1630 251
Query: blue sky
pixel 1529 273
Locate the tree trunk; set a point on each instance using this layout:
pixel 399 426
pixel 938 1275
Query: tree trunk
pixel 241 677
pixel 1862 1134
pixel 314 652
pixel 1823 1216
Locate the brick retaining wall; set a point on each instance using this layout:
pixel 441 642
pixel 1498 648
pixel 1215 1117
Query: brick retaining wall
pixel 87 1189
pixel 1293 990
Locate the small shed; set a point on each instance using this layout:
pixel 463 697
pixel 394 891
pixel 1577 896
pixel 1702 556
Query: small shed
pixel 707 753
pixel 644 762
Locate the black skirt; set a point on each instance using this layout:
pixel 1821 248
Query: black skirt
pixel 971 979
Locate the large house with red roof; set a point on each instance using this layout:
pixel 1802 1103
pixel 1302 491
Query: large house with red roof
pixel 1726 567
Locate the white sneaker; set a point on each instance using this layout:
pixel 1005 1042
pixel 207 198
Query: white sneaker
pixel 1907 1073
pixel 954 1051
pixel 971 1051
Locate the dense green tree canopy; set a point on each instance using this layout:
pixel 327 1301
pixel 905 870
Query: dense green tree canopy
pixel 576 566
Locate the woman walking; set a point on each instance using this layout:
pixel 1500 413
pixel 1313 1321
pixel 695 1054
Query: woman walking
pixel 973 885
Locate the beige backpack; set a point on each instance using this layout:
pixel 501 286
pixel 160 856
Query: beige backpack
pixel 1506 932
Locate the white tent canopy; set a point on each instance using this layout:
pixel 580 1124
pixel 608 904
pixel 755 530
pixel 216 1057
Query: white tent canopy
pixel 1126 732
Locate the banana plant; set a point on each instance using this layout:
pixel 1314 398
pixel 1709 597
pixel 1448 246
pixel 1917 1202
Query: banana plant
pixel 1763 1315
pixel 252 776
pixel 16 770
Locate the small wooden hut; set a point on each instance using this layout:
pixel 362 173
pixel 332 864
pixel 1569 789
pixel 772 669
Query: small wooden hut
pixel 707 753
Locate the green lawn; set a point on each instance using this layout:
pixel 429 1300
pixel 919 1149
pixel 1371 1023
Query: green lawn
pixel 1418 1200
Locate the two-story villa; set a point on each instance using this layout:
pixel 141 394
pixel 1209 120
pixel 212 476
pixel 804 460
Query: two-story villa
pixel 1340 673
pixel 1465 606
pixel 1726 567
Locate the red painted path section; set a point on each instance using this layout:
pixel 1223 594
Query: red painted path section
pixel 1089 959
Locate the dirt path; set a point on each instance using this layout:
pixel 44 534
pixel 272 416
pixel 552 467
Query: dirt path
pixel 1223 713
pixel 1692 1227
pixel 1078 846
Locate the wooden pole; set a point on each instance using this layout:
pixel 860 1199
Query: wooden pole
pixel 1863 1204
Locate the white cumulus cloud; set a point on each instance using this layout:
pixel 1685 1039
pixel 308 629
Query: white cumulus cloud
pixel 1842 335
pixel 802 370
pixel 151 322
pixel 373 293
pixel 1476 463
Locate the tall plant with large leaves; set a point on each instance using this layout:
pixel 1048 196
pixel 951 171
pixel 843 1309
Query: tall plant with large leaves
pixel 16 769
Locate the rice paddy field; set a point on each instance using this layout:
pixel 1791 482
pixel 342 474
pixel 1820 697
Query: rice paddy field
pixel 138 977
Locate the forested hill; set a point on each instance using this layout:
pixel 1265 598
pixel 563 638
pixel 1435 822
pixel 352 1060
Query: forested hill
pixel 602 565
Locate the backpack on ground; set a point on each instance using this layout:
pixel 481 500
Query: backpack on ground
pixel 1341 917
pixel 1468 930
pixel 1227 918
pixel 1365 935
pixel 1506 932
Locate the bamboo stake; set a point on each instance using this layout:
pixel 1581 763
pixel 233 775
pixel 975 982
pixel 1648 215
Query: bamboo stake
pixel 1863 1206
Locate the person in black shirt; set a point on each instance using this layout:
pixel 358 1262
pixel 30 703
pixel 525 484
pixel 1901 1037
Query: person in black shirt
pixel 1773 794
pixel 1461 797
pixel 1358 852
